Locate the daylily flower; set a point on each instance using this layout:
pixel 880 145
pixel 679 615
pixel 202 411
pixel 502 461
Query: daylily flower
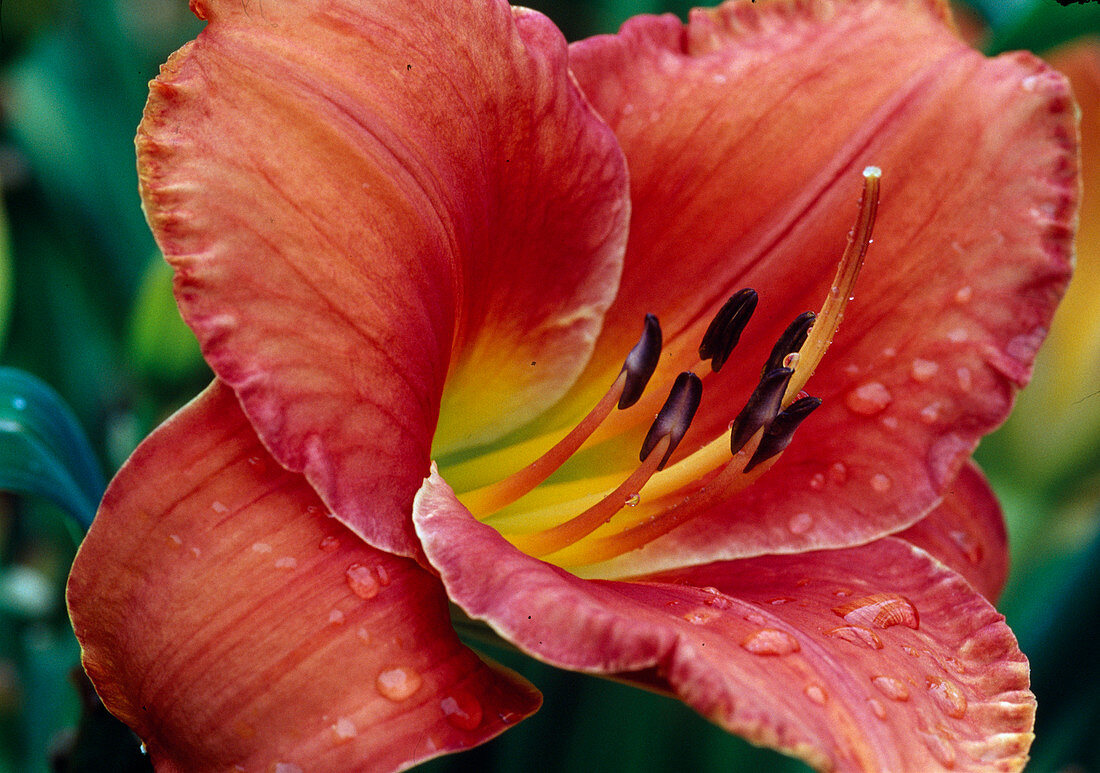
pixel 412 234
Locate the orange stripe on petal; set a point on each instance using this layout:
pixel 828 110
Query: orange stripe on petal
pixel 869 658
pixel 229 622
pixel 363 201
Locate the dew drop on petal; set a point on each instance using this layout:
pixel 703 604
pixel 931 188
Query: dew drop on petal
pixel 791 360
pixel 890 422
pixel 383 575
pixel 948 697
pixel 857 634
pixel 892 688
pixel 800 523
pixel 877 707
pixel 336 617
pixel 329 543
pixel 923 370
pixel 219 508
pixel 344 729
pixel 633 500
pixel 399 683
pixel 462 710
pixel 287 767
pixel 965 379
pixel 286 562
pixel 261 547
pixel 880 610
pixel 257 464
pixel 958 335
pixel 361 581
pixel 941 750
pixel 770 641
pixel 964 294
pixel 176 539
pixel 815 693
pixel 930 413
pixel 755 618
pixel 868 399
pixel 968 544
pixel 838 473
pixel 714 598
pixel 780 600
pixel 881 483
pixel 817 482
pixel 701 616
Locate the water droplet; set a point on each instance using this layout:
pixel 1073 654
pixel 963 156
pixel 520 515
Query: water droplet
pixel 880 482
pixel 383 575
pixel 219 508
pixel 880 610
pixel 18 403
pixel 329 543
pixel 857 634
pixel 633 500
pixel 948 697
pixel 890 422
pixel 344 729
pixel 965 379
pixel 399 683
pixel 868 399
pixel 261 547
pixel 791 360
pixel 714 598
pixel 968 544
pixel 912 652
pixel 816 693
pixel 800 523
pixel 363 635
pixel 964 294
pixel 336 617
pixel 770 641
pixel 940 749
pixel 930 413
pixel 286 562
pixel 838 473
pixel 889 352
pixel 842 593
pixel 196 552
pixel 780 600
pixel 755 618
pixel 176 539
pixel 361 581
pixel 462 710
pixel 701 616
pixel 958 335
pixel 257 464
pixel 287 767
pixel 877 707
pixel 892 688
pixel 817 482
pixel 144 749
pixel 923 370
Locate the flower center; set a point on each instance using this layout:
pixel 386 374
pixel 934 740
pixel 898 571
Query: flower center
pixel 610 519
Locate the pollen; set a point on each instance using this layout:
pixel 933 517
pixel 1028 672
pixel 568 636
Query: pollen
pixel 573 527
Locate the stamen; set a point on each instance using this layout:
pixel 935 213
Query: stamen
pixel 778 435
pixel 725 329
pixel 637 370
pixel 675 416
pixel 832 311
pixel 790 342
pixel 563 535
pixel 641 362
pixel 761 408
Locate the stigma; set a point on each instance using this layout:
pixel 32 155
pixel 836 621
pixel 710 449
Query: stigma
pixel 572 527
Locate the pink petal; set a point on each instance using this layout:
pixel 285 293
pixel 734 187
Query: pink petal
pixel 870 658
pixel 745 133
pixel 230 623
pixel 967 532
pixel 362 201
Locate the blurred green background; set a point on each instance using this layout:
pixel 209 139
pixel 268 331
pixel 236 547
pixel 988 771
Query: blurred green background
pixel 86 306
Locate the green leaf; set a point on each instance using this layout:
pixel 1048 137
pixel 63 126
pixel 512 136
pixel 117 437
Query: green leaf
pixel 160 345
pixel 5 275
pixel 43 450
pixel 1045 25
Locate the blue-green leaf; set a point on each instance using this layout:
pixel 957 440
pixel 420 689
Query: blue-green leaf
pixel 43 450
